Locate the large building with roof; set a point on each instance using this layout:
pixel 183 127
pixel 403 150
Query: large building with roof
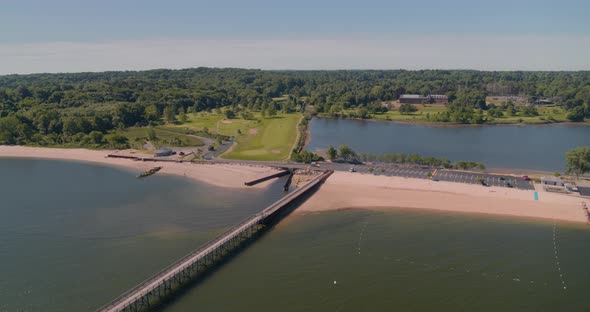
pixel 423 99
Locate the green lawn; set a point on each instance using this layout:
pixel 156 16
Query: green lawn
pixel 200 121
pixel 137 136
pixel 258 138
pixel 418 116
pixel 216 123
pixel 272 139
pixel 547 114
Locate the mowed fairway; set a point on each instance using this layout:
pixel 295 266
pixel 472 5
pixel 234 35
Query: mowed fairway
pixel 271 139
pixel 259 138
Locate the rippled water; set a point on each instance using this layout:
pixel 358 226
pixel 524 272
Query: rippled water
pixel 403 260
pixel 73 235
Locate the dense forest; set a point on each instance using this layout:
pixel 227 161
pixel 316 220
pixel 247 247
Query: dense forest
pixel 54 109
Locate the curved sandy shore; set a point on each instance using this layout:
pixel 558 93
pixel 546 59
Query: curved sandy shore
pixel 223 175
pixel 345 190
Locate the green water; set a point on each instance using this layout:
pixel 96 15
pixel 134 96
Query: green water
pixel 73 236
pixel 403 261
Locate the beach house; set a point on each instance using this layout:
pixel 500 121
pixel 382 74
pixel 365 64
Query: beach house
pixel 552 181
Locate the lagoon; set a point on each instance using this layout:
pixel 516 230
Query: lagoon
pixel 501 147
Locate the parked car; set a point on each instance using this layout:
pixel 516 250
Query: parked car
pixel 352 169
pixel 526 178
pixel 508 184
pixel 502 178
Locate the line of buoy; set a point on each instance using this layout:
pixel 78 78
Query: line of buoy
pixel 361 237
pixel 555 249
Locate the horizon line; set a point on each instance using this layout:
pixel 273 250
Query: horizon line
pixel 294 70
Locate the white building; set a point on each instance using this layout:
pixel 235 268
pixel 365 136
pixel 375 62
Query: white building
pixel 552 181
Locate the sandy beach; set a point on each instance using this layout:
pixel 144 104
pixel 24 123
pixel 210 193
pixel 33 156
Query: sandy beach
pixel 223 175
pixel 354 190
pixel 351 190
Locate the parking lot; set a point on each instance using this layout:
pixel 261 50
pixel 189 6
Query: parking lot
pixel 440 174
pixel 489 179
pixel 584 191
pixel 416 173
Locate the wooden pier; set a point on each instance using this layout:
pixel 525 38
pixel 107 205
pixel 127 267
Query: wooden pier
pixel 153 290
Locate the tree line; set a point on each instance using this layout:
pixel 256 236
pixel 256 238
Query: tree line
pixel 345 153
pixel 50 109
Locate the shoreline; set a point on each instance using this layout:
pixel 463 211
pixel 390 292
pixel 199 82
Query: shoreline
pixel 344 190
pixel 363 191
pixel 221 175
pixel 458 125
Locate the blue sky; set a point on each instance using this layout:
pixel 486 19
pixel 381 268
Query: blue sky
pixel 27 28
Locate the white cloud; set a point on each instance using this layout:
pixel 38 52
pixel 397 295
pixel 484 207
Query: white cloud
pixel 498 52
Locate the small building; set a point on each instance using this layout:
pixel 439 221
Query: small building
pixel 412 99
pixel 552 181
pixel 423 99
pixel 439 98
pixel 162 152
pixel 543 102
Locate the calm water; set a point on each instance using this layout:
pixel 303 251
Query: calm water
pixel 73 236
pixel 402 261
pixel 524 147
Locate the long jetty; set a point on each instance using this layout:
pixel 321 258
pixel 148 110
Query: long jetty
pixel 158 287
pixel 272 176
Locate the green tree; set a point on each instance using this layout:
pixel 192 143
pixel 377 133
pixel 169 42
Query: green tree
pixel 331 152
pixel 407 108
pixel 272 111
pixel 229 114
pixel 363 113
pixel 577 161
pixel 530 111
pixel 151 134
pixel 182 116
pixel 151 113
pixel 576 114
pixel 346 152
pixel 118 141
pixel 511 110
pixel 95 137
pixel 170 113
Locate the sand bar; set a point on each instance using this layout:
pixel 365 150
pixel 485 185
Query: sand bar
pixel 223 175
pixel 354 190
